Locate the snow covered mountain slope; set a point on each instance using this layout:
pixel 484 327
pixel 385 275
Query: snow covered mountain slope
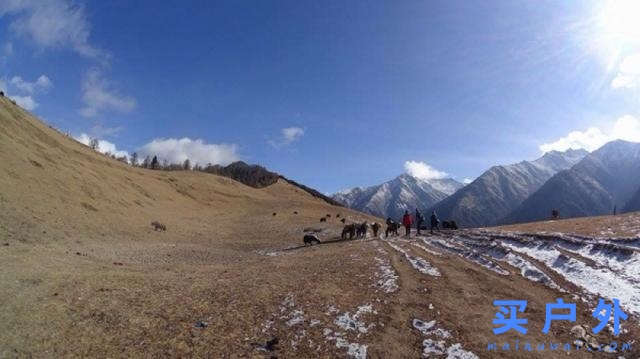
pixel 606 178
pixel 501 189
pixel 392 198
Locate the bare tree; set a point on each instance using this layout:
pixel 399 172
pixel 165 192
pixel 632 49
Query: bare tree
pixel 94 143
pixel 146 162
pixel 186 165
pixel 134 159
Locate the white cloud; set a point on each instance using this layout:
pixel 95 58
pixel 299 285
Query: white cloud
pixel 467 180
pixel 52 24
pixel 589 140
pixel 43 83
pixel 422 170
pixel 103 146
pixel 26 102
pixel 197 151
pixel 628 73
pixel 98 96
pixel 288 135
pixel 291 134
pixel 625 128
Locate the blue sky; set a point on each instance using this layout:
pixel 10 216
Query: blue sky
pixel 334 94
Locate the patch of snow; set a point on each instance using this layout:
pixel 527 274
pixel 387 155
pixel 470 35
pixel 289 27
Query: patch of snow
pixel 463 251
pixel 331 309
pixel 432 347
pixel 386 275
pixel 355 350
pixel 428 250
pixel 418 263
pixel 427 328
pixel 348 322
pixel 598 281
pixel 297 317
pixel 456 352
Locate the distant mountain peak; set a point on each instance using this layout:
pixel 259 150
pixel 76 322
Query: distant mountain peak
pixel 392 198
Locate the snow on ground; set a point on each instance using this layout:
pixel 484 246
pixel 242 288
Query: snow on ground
pixel 348 322
pixel 456 352
pixel 601 282
pixel 428 250
pixel 624 262
pixel 501 254
pixel 464 252
pixel 418 263
pixel 386 277
pixel 530 271
pixel 429 329
pixel 355 350
pixel 438 347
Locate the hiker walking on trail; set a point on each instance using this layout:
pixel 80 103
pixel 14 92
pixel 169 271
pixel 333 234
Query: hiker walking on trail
pixel 434 222
pixel 406 221
pixel 419 221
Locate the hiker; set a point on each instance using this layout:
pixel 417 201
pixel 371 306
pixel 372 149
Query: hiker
pixel 419 221
pixel 406 221
pixel 434 222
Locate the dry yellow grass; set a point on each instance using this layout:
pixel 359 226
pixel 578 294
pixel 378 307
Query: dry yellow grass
pixel 83 274
pixel 626 225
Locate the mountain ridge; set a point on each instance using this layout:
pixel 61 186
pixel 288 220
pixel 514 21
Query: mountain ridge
pixel 604 179
pixel 500 189
pixel 393 197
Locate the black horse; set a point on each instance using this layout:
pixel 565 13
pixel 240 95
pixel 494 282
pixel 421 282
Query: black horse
pixel 392 227
pixel 349 229
pixel 361 231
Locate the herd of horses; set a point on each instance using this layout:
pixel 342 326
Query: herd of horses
pixel 359 230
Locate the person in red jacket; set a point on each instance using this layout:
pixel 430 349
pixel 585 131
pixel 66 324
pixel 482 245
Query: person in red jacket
pixel 407 222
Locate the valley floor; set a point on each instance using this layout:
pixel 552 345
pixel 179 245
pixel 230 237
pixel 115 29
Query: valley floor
pixel 402 298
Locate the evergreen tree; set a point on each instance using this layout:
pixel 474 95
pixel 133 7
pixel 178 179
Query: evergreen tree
pixel 154 163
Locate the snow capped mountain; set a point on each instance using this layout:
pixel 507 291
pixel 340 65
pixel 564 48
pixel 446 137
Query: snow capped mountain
pixel 501 189
pixel 608 177
pixel 392 198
